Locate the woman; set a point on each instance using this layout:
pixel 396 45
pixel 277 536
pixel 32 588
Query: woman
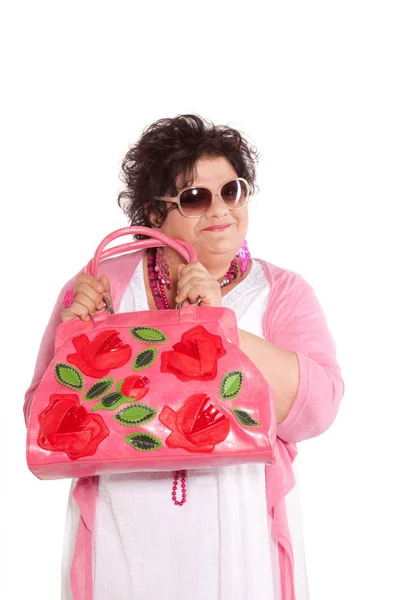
pixel 236 534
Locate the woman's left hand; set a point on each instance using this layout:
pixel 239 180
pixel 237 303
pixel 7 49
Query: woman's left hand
pixel 193 281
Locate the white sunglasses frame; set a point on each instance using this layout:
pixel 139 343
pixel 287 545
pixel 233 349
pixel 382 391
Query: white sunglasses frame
pixel 176 199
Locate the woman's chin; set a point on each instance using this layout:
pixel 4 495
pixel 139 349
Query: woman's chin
pixel 217 246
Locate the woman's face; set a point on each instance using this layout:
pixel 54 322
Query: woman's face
pixel 211 172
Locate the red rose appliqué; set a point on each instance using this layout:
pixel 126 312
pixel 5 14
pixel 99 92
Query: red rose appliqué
pixel 195 427
pixel 135 387
pixel 66 426
pixel 105 352
pixel 195 356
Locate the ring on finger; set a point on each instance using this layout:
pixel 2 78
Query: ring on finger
pixel 196 303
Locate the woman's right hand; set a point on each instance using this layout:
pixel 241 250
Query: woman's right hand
pixel 87 300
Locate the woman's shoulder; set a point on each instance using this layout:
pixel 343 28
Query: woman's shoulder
pixel 121 266
pixel 282 279
pixel 119 270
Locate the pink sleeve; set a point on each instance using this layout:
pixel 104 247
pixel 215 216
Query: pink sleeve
pixel 46 350
pixel 295 321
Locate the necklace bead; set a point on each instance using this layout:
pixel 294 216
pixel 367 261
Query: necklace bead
pixel 182 475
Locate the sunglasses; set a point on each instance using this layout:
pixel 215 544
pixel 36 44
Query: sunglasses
pixel 195 201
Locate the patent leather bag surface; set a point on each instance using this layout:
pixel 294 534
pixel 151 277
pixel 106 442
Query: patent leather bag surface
pixel 149 391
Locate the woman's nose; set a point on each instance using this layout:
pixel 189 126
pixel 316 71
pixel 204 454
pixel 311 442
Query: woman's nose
pixel 218 207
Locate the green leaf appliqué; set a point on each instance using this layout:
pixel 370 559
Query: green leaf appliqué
pixel 99 388
pixel 144 359
pixel 136 414
pixel 148 335
pixel 231 385
pixel 144 442
pixel 244 418
pixel 111 401
pixel 69 376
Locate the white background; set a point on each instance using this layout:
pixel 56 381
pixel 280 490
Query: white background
pixel 316 87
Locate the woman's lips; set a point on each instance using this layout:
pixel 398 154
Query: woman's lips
pixel 217 227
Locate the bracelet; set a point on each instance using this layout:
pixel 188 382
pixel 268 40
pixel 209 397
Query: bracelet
pixel 68 297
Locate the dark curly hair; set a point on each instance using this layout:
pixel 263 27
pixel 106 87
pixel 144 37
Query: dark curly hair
pixel 169 147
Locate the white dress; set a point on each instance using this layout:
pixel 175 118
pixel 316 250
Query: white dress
pixel 217 546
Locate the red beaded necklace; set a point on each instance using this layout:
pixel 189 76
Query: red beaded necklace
pixel 158 273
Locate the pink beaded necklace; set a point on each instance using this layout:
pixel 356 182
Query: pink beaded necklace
pixel 158 273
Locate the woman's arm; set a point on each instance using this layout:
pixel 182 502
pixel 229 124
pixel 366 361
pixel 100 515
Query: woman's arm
pixel 280 368
pixel 298 358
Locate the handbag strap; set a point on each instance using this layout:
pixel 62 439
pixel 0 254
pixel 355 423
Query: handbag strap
pixel 156 239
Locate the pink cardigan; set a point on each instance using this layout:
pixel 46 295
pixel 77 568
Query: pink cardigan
pixel 293 320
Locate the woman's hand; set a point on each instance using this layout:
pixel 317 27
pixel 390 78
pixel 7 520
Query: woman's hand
pixel 87 300
pixel 193 281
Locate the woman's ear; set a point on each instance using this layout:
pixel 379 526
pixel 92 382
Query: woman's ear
pixel 151 214
pixel 152 218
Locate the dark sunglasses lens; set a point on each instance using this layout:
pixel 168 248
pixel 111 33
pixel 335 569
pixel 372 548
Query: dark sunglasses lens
pixel 196 201
pixel 234 193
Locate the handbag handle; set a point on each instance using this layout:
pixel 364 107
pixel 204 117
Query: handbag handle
pixel 156 239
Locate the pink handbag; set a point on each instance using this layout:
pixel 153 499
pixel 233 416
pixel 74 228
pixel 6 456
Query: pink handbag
pixel 149 391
